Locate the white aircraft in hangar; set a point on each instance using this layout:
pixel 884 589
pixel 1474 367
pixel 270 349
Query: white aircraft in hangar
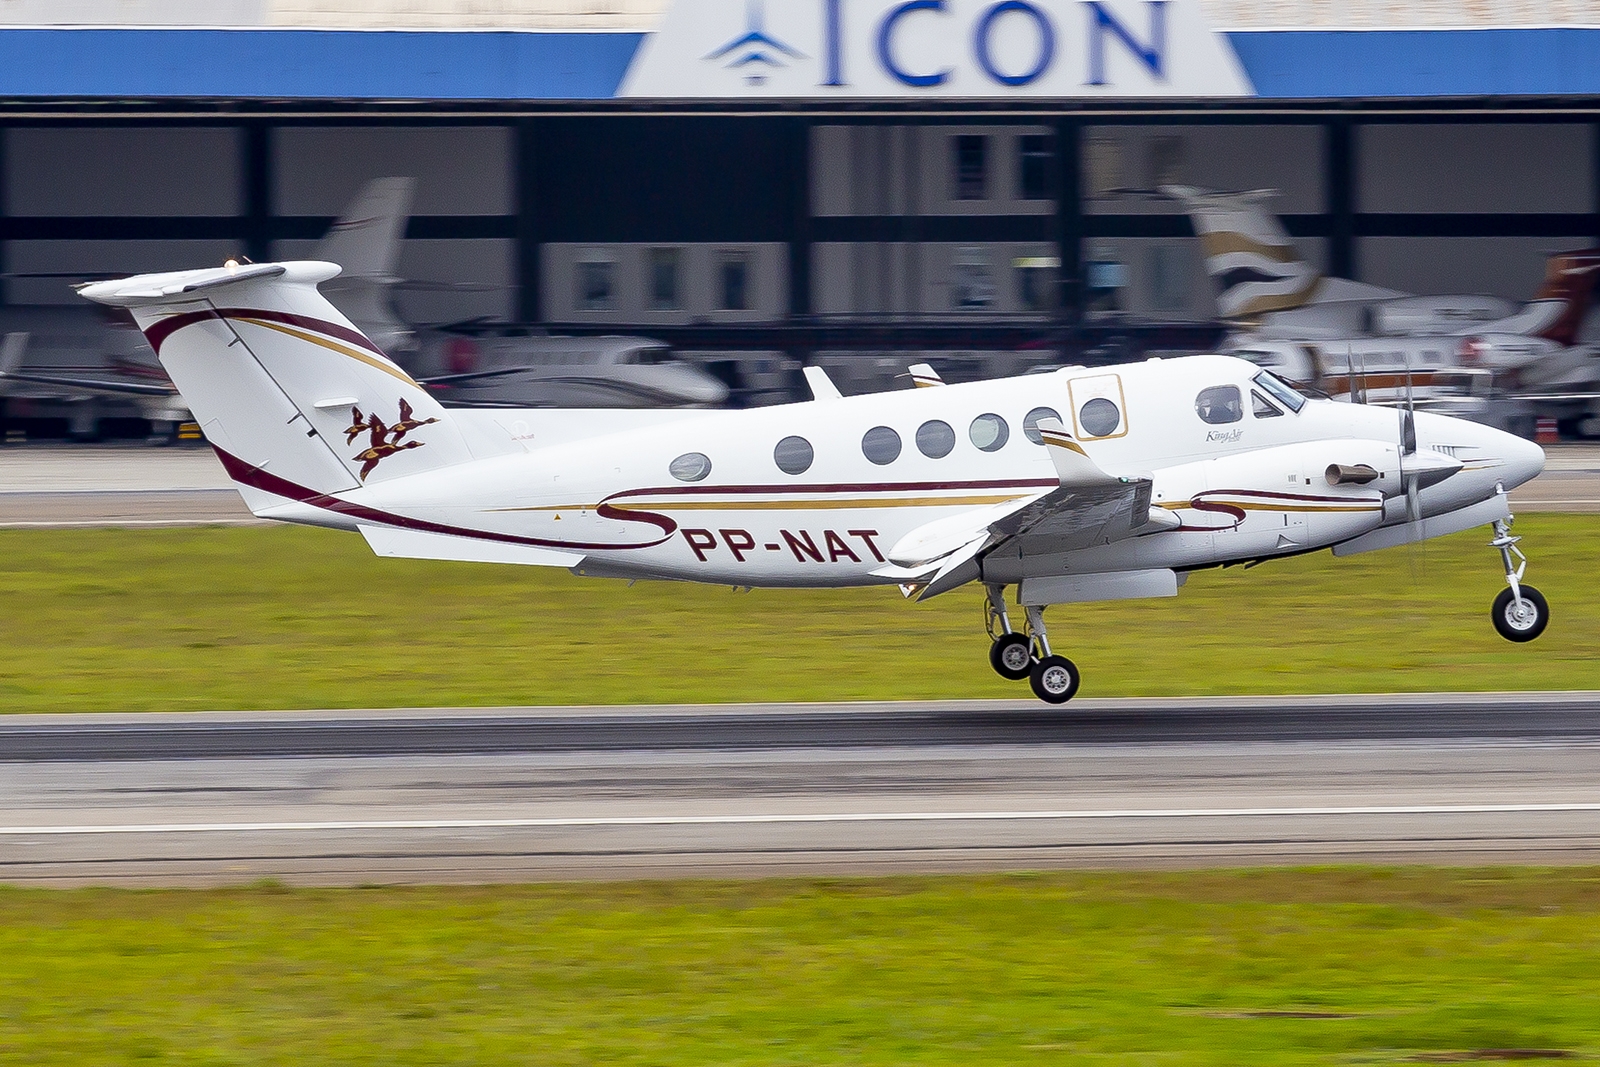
pixel 1082 485
pixel 1357 340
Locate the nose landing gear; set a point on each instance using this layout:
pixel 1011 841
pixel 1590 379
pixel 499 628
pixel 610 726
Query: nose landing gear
pixel 1520 612
pixel 1054 679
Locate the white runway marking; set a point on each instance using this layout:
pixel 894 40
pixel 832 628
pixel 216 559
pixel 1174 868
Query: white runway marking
pixel 824 817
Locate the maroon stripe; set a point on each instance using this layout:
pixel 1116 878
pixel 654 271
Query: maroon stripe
pixel 837 487
pixel 158 334
pixel 1284 496
pixel 256 478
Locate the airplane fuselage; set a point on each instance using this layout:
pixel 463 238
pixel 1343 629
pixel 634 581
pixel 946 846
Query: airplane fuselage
pixel 704 496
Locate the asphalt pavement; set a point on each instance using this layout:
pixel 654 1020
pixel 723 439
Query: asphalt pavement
pixel 474 795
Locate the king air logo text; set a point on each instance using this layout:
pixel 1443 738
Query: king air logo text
pixel 384 440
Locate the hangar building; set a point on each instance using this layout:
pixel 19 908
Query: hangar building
pixel 796 175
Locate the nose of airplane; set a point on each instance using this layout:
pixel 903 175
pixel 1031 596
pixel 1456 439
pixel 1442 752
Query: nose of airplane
pixel 1522 459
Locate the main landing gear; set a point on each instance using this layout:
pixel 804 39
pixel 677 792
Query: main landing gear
pixel 1015 656
pixel 1520 612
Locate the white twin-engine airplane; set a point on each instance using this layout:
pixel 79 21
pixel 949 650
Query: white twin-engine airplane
pixel 1082 485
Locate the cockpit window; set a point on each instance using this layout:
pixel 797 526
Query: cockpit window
pixel 1262 408
pixel 1220 404
pixel 1280 391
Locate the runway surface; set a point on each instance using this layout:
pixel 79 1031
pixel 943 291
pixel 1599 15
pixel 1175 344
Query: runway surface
pixel 530 794
pixel 132 487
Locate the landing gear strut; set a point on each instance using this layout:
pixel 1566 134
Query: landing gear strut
pixel 1520 612
pixel 1054 679
pixel 1011 655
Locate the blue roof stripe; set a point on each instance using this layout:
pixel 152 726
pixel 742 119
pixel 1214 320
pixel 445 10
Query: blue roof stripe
pixel 1314 64
pixel 496 65
pixel 339 64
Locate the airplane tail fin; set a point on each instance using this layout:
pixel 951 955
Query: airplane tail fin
pixel 365 242
pixel 296 400
pixel 1570 278
pixel 1249 255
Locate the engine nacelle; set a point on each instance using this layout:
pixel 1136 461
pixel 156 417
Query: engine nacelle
pixel 1435 314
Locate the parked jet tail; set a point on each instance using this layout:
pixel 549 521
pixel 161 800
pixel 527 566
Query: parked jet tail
pixel 296 400
pixel 365 242
pixel 1570 278
pixel 1252 258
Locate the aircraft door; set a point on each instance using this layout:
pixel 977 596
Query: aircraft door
pixel 1099 408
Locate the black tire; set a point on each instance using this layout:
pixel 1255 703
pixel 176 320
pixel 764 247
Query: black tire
pixel 1055 679
pixel 1504 614
pixel 1004 657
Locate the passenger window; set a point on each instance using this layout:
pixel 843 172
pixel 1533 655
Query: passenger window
pixel 989 433
pixel 1220 404
pixel 881 445
pixel 793 455
pixel 1099 418
pixel 1263 408
pixel 1030 425
pixel 690 467
pixel 935 439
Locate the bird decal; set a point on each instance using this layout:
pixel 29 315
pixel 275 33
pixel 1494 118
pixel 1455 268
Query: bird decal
pixel 383 440
pixel 407 423
pixel 358 426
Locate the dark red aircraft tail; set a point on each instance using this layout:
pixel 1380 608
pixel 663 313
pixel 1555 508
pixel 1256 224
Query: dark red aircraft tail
pixel 1569 276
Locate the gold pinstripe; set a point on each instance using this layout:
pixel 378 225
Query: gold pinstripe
pixel 334 346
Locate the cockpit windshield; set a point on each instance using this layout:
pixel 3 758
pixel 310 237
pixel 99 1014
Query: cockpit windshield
pixel 1280 390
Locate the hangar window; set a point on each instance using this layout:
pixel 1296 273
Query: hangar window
pixel 793 455
pixel 1220 404
pixel 690 467
pixel 662 278
pixel 935 439
pixel 1033 170
pixel 972 159
pixel 733 281
pixel 881 445
pixel 989 432
pixel 596 283
pixel 1030 425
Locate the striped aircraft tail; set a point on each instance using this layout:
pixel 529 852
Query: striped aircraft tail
pixel 1249 254
pixel 294 398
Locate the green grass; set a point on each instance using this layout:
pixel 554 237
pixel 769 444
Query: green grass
pixel 1150 969
pixel 295 618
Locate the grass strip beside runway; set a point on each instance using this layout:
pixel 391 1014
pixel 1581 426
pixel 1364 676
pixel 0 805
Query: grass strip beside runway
pixel 1281 967
pixel 278 618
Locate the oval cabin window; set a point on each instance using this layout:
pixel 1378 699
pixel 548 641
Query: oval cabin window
pixel 1099 418
pixel 793 455
pixel 935 439
pixel 1030 425
pixel 881 445
pixel 989 433
pixel 690 467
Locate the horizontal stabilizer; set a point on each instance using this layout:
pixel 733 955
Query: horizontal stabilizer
pixel 416 544
pixel 171 288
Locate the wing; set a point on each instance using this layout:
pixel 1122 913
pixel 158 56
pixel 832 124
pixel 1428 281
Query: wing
pixel 1089 507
